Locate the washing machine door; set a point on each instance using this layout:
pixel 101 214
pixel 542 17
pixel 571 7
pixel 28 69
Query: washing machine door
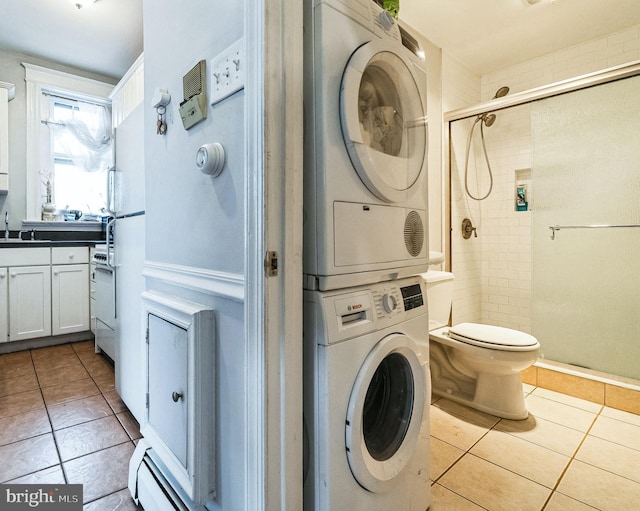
pixel 383 120
pixel 385 412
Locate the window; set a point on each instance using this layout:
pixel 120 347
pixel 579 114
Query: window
pixel 76 154
pixel 68 141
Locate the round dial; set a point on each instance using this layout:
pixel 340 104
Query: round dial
pixel 389 303
pixel 201 157
pixel 210 159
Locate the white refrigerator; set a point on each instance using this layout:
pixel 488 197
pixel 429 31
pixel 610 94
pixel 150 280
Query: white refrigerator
pixel 128 204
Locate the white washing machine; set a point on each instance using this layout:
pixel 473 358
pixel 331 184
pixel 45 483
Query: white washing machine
pixel 365 198
pixel 367 394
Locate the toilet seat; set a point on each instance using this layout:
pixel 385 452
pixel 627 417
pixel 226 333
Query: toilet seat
pixel 493 337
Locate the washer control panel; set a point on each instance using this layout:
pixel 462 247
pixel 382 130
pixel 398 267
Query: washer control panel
pixel 393 299
pixel 336 315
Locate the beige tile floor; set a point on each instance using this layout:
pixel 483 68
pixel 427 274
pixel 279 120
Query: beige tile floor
pixel 62 421
pixel 569 455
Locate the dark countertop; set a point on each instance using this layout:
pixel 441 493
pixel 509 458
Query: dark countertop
pixel 14 243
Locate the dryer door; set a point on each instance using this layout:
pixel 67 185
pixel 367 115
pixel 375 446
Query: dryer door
pixel 383 120
pixel 385 412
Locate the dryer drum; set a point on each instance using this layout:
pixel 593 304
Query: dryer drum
pixel 413 233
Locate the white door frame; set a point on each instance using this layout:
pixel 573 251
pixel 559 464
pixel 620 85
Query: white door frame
pixel 273 212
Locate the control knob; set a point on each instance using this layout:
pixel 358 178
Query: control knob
pixel 389 303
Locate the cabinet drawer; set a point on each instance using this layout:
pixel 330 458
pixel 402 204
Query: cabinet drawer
pixel 25 256
pixel 69 255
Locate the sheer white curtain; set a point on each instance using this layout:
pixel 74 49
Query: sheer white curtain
pixel 82 132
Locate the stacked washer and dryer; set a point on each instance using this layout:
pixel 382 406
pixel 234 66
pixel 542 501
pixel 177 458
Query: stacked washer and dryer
pixel 367 380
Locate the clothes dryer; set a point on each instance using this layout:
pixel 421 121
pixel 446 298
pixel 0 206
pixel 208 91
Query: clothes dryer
pixel 367 392
pixel 365 198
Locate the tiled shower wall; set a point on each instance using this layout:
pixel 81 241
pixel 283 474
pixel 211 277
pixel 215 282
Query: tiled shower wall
pixel 493 271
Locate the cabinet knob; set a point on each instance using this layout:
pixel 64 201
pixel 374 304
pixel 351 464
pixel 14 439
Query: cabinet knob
pixel 176 396
pixel 14 275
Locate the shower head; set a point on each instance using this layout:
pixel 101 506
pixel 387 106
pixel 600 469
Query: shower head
pixel 501 92
pixel 489 119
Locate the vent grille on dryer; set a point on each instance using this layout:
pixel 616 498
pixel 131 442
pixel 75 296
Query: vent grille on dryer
pixel 413 233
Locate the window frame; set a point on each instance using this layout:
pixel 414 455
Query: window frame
pixel 39 79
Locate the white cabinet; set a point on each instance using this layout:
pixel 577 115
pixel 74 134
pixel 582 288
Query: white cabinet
pixel 69 290
pixel 4 306
pixel 29 302
pixel 69 298
pixel 181 396
pixel 28 292
pixel 38 299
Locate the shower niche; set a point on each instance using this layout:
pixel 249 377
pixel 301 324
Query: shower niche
pixel 522 189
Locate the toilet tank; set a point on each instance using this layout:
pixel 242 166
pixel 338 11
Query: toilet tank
pixel 439 297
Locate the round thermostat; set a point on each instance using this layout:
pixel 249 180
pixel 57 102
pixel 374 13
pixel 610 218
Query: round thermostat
pixel 210 159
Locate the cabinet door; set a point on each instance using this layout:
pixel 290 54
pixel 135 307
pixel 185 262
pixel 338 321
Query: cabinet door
pixel 168 355
pixel 4 306
pixel 29 302
pixel 70 298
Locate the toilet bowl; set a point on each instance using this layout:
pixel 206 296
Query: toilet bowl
pixel 473 364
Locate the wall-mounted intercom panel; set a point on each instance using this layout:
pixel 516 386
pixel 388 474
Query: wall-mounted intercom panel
pixel 193 108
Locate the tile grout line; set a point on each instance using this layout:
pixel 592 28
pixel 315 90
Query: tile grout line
pixel 46 407
pixel 553 490
pixel 571 460
pixel 468 451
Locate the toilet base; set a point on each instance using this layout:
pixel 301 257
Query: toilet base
pixel 479 392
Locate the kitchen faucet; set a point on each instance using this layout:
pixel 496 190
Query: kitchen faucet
pixel 6 225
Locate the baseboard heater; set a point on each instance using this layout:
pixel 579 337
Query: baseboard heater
pixel 149 483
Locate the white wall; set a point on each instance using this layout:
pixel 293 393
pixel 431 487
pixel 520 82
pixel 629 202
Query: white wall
pixel 462 88
pixel 613 50
pixel 435 181
pixel 195 223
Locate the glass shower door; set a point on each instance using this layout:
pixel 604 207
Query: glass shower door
pixel 586 280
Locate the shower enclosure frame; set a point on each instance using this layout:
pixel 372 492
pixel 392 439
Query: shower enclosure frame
pixel 519 98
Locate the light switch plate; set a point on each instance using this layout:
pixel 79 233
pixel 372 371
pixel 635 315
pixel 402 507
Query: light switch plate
pixel 227 72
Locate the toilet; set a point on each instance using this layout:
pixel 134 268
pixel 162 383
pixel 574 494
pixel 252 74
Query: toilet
pixel 473 364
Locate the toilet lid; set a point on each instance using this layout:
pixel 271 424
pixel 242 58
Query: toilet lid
pixel 494 337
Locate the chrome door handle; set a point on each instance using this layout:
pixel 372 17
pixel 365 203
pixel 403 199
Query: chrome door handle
pixel 176 396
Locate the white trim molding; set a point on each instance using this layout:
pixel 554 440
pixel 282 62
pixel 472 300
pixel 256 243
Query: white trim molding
pixel 226 285
pixel 11 89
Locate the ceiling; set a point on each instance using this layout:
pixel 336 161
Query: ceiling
pixel 488 35
pixel 104 38
pixel 484 35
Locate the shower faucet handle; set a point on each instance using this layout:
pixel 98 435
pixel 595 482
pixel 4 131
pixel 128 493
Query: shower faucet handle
pixel 468 228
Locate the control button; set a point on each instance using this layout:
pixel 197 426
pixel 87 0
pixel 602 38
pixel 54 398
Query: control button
pixel 386 20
